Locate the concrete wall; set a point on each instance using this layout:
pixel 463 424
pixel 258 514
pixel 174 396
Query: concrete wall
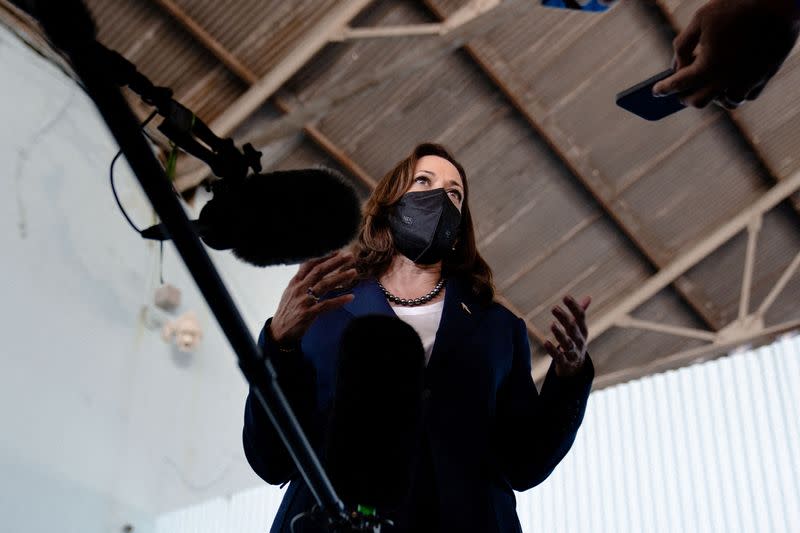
pixel 103 424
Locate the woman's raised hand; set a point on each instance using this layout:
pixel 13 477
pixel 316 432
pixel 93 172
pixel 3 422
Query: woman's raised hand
pixel 301 303
pixel 572 335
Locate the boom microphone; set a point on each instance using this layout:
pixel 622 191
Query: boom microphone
pixel 374 430
pixel 281 217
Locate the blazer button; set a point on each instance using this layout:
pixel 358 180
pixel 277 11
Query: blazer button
pixel 426 394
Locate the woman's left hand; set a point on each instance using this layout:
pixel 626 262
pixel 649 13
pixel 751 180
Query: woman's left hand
pixel 572 336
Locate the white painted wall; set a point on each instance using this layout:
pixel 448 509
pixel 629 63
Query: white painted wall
pixel 102 424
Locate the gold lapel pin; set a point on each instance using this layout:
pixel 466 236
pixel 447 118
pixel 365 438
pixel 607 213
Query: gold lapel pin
pixel 466 308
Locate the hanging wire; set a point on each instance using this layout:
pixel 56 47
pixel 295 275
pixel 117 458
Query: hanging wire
pixel 111 177
pixel 161 263
pixel 171 169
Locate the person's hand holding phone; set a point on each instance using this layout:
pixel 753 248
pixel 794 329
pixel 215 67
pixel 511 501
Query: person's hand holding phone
pixel 730 50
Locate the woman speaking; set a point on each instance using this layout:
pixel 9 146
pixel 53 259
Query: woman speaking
pixel 486 430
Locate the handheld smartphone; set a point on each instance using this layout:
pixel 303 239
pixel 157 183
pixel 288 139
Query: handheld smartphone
pixel 640 101
pixel 597 6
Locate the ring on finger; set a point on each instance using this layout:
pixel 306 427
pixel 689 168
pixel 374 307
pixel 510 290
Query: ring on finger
pixel 311 294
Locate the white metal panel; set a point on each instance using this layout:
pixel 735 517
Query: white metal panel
pixel 710 447
pixel 248 511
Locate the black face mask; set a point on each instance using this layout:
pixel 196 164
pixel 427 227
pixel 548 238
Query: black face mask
pixel 425 225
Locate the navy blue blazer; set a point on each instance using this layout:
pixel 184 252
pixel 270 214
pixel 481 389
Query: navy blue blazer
pixel 488 429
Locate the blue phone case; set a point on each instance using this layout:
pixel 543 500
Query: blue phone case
pixel 597 6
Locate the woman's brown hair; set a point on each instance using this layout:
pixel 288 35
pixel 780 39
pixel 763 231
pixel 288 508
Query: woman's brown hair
pixel 374 248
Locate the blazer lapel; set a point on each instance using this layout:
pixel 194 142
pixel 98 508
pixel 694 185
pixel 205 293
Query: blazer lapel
pixel 461 314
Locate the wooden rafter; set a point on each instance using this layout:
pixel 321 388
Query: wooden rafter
pixel 324 142
pixel 207 40
pixel 304 49
pixel 229 60
pixel 410 30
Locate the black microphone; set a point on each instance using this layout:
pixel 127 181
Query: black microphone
pixel 374 433
pixel 281 217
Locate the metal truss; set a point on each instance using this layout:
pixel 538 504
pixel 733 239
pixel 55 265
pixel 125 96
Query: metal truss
pixel 747 329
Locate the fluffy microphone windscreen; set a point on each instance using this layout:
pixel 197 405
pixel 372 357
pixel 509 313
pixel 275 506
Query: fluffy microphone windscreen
pixel 375 424
pixel 282 217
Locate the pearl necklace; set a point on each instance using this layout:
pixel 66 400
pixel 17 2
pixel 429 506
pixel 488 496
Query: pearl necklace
pixel 412 302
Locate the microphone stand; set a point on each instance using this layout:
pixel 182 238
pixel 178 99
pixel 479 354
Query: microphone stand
pixel 181 125
pixel 70 27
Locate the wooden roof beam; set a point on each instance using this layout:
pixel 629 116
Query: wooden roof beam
pixel 305 48
pixel 328 146
pixel 410 30
pixel 225 56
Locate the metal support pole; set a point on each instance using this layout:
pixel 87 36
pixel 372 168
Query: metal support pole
pixel 70 27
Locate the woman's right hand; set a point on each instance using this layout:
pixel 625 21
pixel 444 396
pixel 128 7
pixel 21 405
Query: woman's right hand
pixel 300 305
